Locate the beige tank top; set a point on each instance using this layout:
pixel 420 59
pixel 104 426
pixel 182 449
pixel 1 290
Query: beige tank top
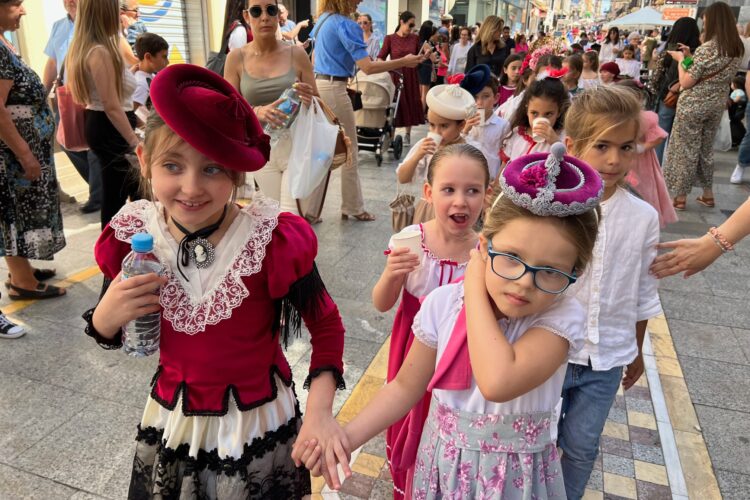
pixel 262 91
pixel 128 87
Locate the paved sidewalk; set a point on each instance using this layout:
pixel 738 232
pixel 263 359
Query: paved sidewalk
pixel 69 409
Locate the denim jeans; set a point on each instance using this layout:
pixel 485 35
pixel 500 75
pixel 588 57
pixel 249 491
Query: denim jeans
pixel 87 165
pixel 744 154
pixel 666 119
pixel 587 397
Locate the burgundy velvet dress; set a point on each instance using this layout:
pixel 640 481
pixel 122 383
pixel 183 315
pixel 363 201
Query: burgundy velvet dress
pixel 410 111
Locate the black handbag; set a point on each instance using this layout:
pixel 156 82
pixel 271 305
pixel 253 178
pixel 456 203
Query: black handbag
pixel 356 97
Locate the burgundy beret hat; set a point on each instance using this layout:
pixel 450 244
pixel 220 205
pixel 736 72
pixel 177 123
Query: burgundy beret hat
pixel 210 115
pixel 610 67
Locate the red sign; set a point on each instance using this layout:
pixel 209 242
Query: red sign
pixel 674 13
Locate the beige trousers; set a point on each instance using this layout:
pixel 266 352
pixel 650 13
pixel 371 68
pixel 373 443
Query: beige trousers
pixel 335 96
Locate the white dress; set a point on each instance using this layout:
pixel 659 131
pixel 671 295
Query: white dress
pixel 516 145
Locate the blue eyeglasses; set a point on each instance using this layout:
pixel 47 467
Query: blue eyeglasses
pixel 547 279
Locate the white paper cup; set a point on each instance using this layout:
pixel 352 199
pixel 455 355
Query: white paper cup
pixel 435 137
pixel 538 138
pixel 409 239
pixel 482 118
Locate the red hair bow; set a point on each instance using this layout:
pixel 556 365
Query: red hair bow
pixel 456 79
pixel 556 73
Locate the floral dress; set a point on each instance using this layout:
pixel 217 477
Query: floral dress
pixel 30 220
pixel 690 153
pixel 474 448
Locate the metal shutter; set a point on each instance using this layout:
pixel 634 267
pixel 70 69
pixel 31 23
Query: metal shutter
pixel 168 18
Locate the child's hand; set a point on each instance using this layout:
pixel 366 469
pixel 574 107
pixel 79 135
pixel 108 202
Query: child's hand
pixel 428 147
pixel 401 262
pixel 633 372
pixel 333 443
pixel 544 129
pixel 474 275
pixel 473 121
pixel 126 300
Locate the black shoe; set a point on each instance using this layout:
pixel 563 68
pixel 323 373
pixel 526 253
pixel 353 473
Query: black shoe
pixel 90 208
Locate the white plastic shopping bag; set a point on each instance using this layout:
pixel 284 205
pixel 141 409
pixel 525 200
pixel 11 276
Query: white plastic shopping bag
pixel 723 138
pixel 313 145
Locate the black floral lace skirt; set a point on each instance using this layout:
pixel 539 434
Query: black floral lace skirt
pixel 264 471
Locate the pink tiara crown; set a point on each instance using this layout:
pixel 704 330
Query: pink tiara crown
pixel 552 183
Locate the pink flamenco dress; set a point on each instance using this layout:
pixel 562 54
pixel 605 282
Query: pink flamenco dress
pixel 402 438
pixel 646 177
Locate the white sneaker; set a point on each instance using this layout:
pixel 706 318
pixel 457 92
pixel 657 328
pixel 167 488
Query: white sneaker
pixel 736 177
pixel 9 330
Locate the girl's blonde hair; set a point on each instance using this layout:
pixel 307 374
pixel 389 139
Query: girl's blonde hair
pixel 160 140
pixel 97 23
pixel 465 150
pixel 486 35
pixel 342 7
pixel 596 111
pixel 581 230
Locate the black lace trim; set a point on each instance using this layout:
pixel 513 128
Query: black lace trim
pixel 231 389
pixel 338 377
pixel 210 460
pixel 105 343
pixel 304 297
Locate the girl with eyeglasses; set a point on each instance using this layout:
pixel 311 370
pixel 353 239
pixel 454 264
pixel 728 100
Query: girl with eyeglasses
pixel 261 71
pixel 399 44
pixel 618 293
pixel 493 349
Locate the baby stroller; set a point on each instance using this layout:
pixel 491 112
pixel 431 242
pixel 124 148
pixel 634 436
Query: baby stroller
pixel 375 121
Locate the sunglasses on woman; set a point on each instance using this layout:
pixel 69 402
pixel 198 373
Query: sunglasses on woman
pixel 256 11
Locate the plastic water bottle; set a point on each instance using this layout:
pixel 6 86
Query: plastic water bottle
pixel 140 337
pixel 289 105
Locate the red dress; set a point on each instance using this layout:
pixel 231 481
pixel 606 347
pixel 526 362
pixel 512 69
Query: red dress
pixel 222 405
pixel 410 112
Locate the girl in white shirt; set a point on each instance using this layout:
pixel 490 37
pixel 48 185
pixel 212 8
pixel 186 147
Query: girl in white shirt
pixel 628 64
pixel 619 294
pixel 493 349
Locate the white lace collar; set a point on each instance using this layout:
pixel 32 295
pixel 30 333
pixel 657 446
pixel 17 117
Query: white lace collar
pixel 186 313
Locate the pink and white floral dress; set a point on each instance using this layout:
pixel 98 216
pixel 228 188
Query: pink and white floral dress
pixel 474 448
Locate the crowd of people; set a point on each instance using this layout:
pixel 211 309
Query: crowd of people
pixel 522 300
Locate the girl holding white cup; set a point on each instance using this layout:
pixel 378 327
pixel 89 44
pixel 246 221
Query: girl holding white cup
pixel 449 107
pixel 538 122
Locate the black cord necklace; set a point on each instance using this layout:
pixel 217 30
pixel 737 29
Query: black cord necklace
pixel 195 246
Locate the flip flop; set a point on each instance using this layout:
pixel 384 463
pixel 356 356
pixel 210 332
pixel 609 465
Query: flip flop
pixel 43 291
pixel 706 201
pixel 679 205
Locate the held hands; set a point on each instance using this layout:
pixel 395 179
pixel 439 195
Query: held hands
pixel 401 262
pixel 691 256
pixel 321 450
pixel 126 300
pixel 544 129
pixel 270 114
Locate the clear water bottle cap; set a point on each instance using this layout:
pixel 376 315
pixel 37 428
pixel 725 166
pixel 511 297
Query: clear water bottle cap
pixel 142 242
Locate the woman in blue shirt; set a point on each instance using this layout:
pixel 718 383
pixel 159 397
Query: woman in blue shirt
pixel 340 49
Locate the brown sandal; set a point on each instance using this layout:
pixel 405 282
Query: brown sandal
pixel 679 204
pixel 706 201
pixel 363 217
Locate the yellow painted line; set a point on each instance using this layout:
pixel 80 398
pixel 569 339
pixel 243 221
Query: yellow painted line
pixel 697 468
pixel 77 277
